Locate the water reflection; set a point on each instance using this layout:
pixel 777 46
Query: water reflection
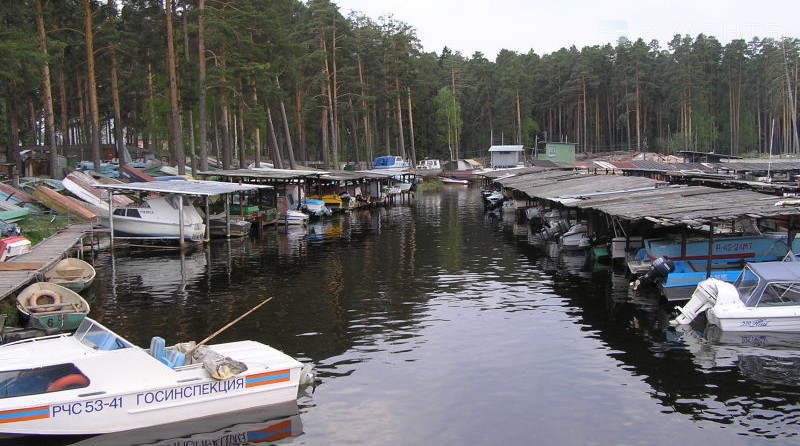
pixel 434 322
pixel 261 425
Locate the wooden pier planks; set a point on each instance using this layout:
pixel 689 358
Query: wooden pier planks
pixel 45 254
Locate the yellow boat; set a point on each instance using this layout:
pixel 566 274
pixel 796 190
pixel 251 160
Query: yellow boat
pixel 332 201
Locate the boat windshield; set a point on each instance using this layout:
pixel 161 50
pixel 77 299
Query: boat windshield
pixel 96 336
pixel 746 284
pixel 780 294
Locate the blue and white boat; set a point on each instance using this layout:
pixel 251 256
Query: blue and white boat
pixel 390 162
pixel 315 208
pixel 680 274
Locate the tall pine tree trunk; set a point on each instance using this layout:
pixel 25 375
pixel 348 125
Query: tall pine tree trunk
pixel 201 86
pixel 411 129
pixel 174 107
pixel 47 94
pixel 277 157
pixel 94 113
pixel 119 137
pixel 401 142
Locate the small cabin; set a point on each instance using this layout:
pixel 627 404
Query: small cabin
pixel 563 152
pixel 507 156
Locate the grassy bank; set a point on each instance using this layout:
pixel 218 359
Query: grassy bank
pixel 37 227
pixel 430 184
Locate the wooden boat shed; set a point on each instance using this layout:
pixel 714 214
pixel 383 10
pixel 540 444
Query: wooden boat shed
pixel 633 201
pixel 190 188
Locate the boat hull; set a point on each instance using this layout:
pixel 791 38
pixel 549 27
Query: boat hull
pixel 141 409
pixel 61 203
pixel 765 246
pixel 121 387
pixel 754 321
pixel 137 227
pixel 71 273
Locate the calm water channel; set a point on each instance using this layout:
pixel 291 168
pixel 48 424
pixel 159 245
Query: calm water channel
pixel 432 324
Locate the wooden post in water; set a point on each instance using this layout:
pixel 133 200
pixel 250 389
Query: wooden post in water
pixel 710 248
pixel 111 216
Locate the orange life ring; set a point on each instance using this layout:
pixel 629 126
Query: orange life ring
pixel 74 380
pixel 51 295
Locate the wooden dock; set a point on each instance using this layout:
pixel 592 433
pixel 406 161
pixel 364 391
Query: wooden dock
pixel 21 270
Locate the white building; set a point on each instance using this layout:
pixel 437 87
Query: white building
pixel 507 156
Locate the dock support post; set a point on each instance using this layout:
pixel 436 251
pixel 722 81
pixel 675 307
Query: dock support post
pixel 111 215
pixel 207 209
pixel 228 213
pixel 710 247
pixel 180 220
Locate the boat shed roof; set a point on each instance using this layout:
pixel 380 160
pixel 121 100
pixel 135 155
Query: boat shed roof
pixel 288 174
pixel 265 173
pixel 636 198
pixel 689 205
pixel 183 187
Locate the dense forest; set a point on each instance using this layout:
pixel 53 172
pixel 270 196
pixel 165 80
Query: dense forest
pixel 296 82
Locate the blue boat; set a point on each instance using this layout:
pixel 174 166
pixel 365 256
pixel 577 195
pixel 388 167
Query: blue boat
pixel 684 269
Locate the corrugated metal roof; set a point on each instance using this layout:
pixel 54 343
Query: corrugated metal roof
pixel 184 187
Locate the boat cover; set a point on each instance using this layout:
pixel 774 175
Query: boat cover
pixel 218 366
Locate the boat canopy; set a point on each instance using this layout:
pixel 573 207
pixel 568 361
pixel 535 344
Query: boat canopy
pixel 769 284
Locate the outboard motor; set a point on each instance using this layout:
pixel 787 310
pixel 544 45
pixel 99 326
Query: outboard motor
pixel 703 298
pixel 660 268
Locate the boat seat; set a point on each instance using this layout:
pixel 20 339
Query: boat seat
pixel 169 357
pixel 103 341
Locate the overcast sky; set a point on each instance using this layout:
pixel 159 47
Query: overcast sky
pixel 546 26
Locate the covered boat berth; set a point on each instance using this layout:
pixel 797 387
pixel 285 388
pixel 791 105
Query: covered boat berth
pixel 637 204
pixel 182 188
pixel 306 180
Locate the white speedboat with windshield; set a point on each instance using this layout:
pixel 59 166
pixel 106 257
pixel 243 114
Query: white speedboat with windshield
pixel 765 297
pixel 158 217
pixel 94 382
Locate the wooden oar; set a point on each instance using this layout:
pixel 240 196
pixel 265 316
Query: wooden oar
pixel 191 350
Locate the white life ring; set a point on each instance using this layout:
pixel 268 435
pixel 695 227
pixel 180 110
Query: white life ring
pixel 52 296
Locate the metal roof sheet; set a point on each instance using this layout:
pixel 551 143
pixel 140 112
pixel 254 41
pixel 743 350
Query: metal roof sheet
pixel 509 148
pixel 184 187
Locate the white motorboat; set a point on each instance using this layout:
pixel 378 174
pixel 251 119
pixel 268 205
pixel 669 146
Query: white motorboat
pixel 95 382
pixel 429 167
pixel 575 239
pixel 293 218
pixel 315 208
pixel 766 297
pixel 158 217
pixel 457 182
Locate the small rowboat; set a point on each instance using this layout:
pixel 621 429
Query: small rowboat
pixel 71 273
pixel 46 306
